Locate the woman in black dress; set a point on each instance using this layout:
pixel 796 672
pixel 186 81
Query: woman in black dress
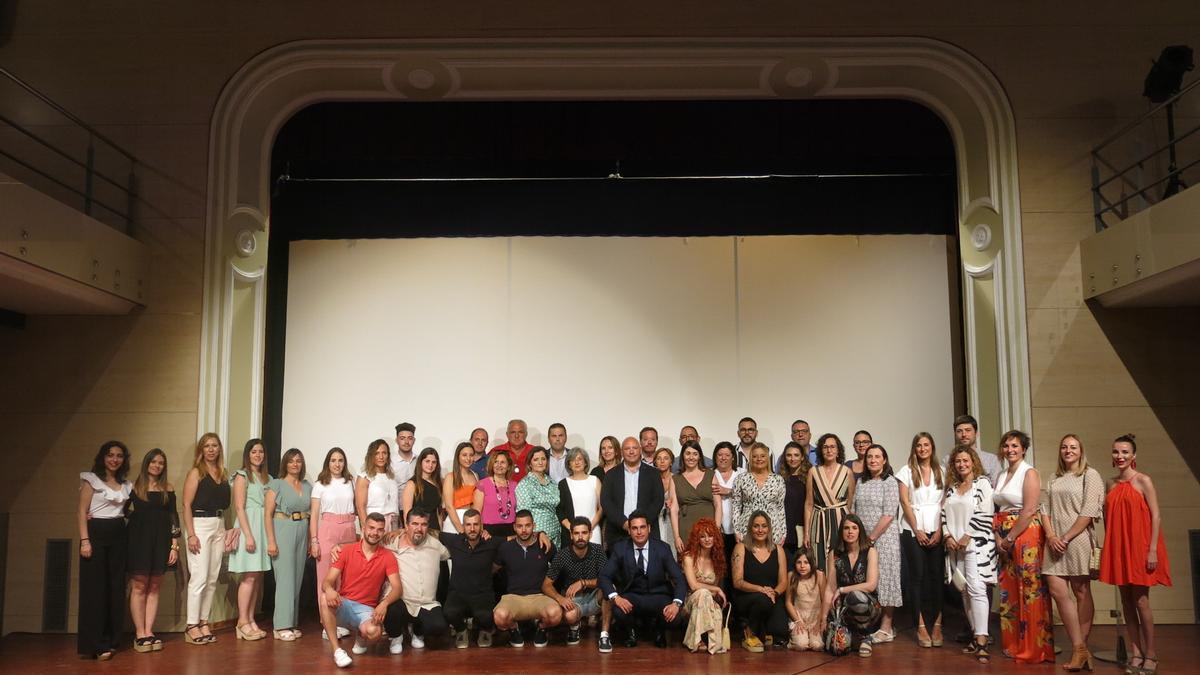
pixel 153 533
pixel 795 476
pixel 424 489
pixel 760 580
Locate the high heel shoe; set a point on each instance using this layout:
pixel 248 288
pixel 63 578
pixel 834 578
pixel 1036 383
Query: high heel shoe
pixel 245 632
pixel 1131 669
pixel 1149 670
pixel 936 639
pixel 923 637
pixel 1081 659
pixel 197 639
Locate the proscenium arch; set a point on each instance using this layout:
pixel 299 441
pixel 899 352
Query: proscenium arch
pixel 271 87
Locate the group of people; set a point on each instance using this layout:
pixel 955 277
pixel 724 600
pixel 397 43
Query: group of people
pixel 809 550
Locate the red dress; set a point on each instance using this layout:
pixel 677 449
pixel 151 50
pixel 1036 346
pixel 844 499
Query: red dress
pixel 1127 541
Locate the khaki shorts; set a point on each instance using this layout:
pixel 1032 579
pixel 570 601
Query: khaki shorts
pixel 524 607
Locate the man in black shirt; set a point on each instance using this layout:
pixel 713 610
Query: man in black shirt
pixel 470 591
pixel 526 564
pixel 573 582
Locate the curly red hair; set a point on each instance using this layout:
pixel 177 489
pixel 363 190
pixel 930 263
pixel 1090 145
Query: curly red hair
pixel 702 527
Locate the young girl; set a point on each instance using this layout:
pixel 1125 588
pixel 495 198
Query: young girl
pixel 804 605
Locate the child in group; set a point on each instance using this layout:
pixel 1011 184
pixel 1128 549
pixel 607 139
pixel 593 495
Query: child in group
pixel 804 605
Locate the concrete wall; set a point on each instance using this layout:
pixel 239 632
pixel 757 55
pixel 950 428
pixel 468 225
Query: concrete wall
pixel 148 73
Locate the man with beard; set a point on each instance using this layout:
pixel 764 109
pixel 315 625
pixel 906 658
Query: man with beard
pixel 470 593
pixel 557 437
pixel 419 557
pixel 362 569
pixel 573 581
pixel 525 564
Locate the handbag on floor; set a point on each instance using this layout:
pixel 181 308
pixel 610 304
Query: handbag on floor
pixel 837 633
pixel 726 643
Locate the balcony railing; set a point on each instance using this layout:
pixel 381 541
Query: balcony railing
pixel 1148 160
pixel 43 145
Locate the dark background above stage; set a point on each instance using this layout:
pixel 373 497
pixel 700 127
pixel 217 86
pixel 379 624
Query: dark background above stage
pixel 345 170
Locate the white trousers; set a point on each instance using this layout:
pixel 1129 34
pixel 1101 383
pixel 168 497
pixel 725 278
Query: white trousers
pixel 203 567
pixel 975 595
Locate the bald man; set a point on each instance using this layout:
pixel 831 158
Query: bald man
pixel 632 486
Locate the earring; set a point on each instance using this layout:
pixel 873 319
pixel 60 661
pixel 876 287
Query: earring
pixel 1133 464
pixel 1114 462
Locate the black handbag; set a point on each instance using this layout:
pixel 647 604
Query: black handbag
pixel 837 633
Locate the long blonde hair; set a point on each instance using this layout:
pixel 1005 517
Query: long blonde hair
pixel 976 465
pixel 198 461
pixel 914 463
pixel 369 463
pixel 141 486
pixel 1080 467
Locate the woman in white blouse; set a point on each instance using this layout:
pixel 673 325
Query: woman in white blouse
pixel 376 490
pixel 921 488
pixel 724 477
pixel 970 542
pixel 103 492
pixel 333 512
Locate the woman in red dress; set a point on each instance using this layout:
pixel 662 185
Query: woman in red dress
pixel 1134 556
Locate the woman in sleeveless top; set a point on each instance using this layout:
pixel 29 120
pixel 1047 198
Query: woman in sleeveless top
pixel 663 458
pixel 495 496
pixel 861 440
pixel 759 582
pixel 424 489
pixel 458 487
pixel 376 489
pixel 827 497
pixel 1134 556
pixel 704 567
pixel 579 495
pixel 103 494
pixel 803 603
pixel 1074 501
pixel 794 469
pixel 1025 629
pixel 876 502
pixel 332 514
pixel 206 497
pixel 851 576
pixel 153 545
pixel 250 557
pixel 288 508
pixel 694 497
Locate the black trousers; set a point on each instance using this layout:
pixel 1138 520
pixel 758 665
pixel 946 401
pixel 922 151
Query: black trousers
pixel 924 578
pixel 102 587
pixel 761 615
pixel 427 622
pixel 647 610
pixel 460 606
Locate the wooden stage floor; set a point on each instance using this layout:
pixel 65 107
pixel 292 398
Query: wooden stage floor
pixel 29 653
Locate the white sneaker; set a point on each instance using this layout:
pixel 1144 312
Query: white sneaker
pixel 342 632
pixel 417 641
pixel 342 659
pixel 359 647
pixel 397 645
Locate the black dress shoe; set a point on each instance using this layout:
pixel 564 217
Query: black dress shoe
pixel 660 639
pixel 631 638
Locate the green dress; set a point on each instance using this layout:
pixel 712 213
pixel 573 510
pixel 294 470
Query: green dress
pixel 542 501
pixel 291 538
pixel 239 559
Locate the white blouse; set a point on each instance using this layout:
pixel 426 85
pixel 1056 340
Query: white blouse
pixel 337 497
pixel 1010 494
pixel 106 502
pixel 926 501
pixel 726 507
pixel 383 494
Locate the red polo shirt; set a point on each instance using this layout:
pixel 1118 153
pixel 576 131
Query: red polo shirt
pixel 362 579
pixel 518 458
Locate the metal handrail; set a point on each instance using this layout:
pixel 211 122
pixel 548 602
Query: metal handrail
pixel 1148 114
pixel 66 113
pixel 1102 204
pixel 88 164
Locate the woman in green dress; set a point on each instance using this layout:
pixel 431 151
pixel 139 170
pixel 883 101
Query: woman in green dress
pixel 250 558
pixel 288 504
pixel 539 493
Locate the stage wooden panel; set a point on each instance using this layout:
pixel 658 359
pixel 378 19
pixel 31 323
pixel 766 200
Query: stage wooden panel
pixel 1179 647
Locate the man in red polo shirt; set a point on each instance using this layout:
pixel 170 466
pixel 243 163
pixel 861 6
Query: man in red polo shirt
pixel 516 447
pixel 362 570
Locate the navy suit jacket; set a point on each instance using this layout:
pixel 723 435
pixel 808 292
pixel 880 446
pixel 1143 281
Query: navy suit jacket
pixel 612 499
pixel 664 576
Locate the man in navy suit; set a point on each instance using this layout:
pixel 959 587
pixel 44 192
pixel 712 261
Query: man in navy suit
pixel 643 582
pixel 634 485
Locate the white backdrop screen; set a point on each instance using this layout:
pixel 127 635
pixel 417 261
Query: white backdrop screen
pixel 610 334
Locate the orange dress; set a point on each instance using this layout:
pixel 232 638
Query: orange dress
pixel 1127 541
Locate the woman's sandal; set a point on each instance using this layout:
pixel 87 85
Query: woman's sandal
pixel 197 639
pixel 143 644
pixel 936 636
pixel 156 642
pixel 971 647
pixel 981 654
pixel 1149 671
pixel 207 632
pixel 1131 669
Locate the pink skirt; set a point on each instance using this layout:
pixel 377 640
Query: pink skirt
pixel 332 529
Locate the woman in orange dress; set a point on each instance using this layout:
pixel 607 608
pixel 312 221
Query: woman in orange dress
pixel 1026 631
pixel 458 488
pixel 1134 556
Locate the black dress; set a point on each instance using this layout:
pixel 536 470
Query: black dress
pixel 153 523
pixel 793 510
pixel 430 500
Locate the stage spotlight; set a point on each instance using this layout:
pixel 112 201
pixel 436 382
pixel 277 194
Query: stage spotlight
pixel 1166 75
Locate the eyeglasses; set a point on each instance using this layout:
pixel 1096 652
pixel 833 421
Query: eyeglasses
pixel 862 442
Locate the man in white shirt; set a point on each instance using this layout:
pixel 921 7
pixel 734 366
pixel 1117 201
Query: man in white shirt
pixel 403 459
pixel 419 556
pixel 556 435
pixel 747 435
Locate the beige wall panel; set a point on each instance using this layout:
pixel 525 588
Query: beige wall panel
pixel 176 264
pixel 1071 362
pixel 1055 163
pixel 1052 258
